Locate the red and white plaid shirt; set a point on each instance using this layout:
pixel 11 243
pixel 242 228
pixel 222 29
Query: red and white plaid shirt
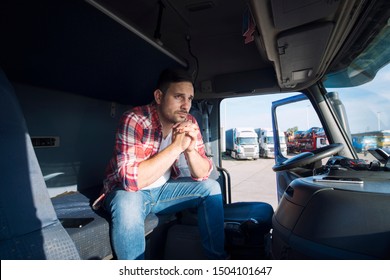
pixel 138 138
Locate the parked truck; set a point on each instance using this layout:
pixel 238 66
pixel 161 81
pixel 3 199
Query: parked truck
pixel 266 143
pixel 305 141
pixel 362 142
pixel 242 143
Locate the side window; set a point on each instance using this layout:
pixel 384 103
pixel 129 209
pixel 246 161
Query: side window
pixel 248 156
pixel 299 124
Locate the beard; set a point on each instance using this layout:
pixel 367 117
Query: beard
pixel 180 116
pixel 175 117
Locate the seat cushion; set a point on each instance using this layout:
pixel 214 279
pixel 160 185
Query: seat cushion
pixel 247 229
pixel 258 212
pixel 93 238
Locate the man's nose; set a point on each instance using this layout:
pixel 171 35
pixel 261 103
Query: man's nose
pixel 186 104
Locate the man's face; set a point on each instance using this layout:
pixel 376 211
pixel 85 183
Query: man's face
pixel 175 103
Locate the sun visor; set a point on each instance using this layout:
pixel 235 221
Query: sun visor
pixel 300 52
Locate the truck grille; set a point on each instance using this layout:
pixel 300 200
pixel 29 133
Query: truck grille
pixel 249 150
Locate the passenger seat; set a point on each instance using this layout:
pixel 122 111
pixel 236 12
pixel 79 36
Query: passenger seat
pixel 30 229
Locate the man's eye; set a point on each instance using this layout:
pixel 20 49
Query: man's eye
pixel 182 98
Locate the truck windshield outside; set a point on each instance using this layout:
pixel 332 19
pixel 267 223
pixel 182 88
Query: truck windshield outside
pixel 270 140
pixel 247 141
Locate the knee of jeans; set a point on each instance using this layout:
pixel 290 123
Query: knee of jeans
pixel 127 206
pixel 213 187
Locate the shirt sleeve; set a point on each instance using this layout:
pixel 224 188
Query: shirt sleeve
pixel 130 151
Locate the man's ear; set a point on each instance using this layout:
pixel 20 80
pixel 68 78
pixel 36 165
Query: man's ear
pixel 158 96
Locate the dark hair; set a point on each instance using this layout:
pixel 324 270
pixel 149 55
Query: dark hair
pixel 172 75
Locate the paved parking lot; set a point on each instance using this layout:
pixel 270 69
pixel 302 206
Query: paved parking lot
pixel 252 180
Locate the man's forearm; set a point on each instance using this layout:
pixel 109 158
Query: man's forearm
pixel 199 166
pixel 153 168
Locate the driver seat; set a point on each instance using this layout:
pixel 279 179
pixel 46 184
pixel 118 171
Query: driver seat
pixel 247 224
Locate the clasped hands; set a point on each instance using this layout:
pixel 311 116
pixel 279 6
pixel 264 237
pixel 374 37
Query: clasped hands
pixel 185 134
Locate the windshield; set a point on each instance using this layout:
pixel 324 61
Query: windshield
pixel 247 141
pixel 269 140
pixel 363 87
pixel 367 107
pixel 365 66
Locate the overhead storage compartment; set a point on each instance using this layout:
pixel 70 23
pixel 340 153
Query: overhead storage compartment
pixel 290 14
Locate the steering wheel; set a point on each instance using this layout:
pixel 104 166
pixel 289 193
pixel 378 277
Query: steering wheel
pixel 308 157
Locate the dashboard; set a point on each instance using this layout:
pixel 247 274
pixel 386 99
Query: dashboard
pixel 340 213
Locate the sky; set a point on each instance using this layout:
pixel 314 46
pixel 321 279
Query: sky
pixel 255 111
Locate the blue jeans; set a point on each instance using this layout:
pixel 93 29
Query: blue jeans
pixel 129 210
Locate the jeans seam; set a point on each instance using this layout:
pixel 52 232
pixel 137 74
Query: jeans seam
pixel 206 218
pixel 180 197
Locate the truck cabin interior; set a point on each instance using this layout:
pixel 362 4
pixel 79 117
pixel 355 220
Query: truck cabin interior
pixel 70 68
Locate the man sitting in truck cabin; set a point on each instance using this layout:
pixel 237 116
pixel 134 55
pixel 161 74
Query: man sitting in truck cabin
pixel 159 165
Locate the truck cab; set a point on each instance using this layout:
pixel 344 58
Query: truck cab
pixel 70 68
pixel 266 143
pixel 242 143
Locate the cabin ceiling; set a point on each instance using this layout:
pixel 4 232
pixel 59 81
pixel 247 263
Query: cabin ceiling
pixel 112 49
